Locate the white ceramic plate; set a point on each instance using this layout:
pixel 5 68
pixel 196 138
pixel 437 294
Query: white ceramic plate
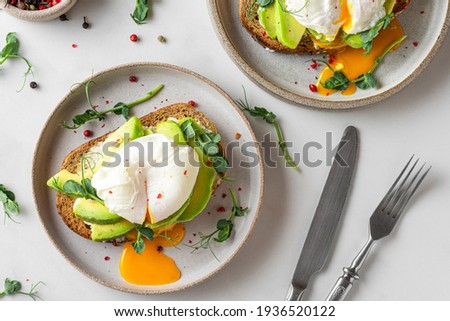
pixel 112 86
pixel 425 22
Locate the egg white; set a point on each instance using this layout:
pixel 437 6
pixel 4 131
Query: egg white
pixel 364 14
pixel 152 174
pixel 327 17
pixel 322 16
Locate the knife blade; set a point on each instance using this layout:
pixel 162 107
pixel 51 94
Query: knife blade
pixel 326 218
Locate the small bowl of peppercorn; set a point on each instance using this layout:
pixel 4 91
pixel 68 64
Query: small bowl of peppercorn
pixel 37 10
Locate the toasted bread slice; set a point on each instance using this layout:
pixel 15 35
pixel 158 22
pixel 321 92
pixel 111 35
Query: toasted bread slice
pixel 249 19
pixel 64 204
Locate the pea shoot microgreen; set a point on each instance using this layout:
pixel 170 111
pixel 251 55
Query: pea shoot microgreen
pixel 12 287
pixel 11 51
pixel 368 36
pixel 339 80
pixel 10 205
pixel 140 12
pixel 264 3
pixel 118 109
pixel 138 244
pixel 209 143
pixel 82 189
pixel 270 118
pixel 223 230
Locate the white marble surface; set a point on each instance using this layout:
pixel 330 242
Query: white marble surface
pixel 412 264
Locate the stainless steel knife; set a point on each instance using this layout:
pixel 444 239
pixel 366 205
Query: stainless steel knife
pixel 323 227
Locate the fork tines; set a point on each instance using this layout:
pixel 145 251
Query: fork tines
pixel 397 198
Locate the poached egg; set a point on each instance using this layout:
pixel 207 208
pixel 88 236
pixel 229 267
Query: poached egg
pixel 152 178
pixel 327 17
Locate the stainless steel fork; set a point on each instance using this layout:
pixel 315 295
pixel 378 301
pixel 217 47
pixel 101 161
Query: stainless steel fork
pixel 382 222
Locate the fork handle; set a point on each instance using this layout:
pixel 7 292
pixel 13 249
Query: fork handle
pixel 343 285
pixel 345 282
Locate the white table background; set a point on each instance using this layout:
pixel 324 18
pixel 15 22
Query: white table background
pixel 412 264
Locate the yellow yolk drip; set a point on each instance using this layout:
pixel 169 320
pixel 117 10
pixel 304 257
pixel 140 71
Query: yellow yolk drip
pixel 337 43
pixel 152 267
pixel 353 63
pixel 346 15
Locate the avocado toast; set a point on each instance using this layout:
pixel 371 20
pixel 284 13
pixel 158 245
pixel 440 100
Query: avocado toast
pixel 92 219
pixel 275 29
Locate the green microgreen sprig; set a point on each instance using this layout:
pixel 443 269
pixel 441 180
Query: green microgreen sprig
pixel 339 80
pixel 12 287
pixel 10 205
pixel 368 36
pixel 118 109
pixel 140 12
pixel 270 118
pixel 84 188
pixel 138 244
pixel 209 143
pixel 223 230
pixel 11 51
pixel 292 12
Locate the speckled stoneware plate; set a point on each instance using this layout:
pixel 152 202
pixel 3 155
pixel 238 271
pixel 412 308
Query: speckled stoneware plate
pixel 425 22
pixel 38 15
pixel 181 85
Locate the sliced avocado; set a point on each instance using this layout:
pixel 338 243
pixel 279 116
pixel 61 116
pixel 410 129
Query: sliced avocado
pixel 289 31
pixel 147 131
pixel 57 181
pixel 389 6
pixel 105 232
pixel 318 36
pixel 354 41
pixel 93 212
pixel 268 20
pixel 202 191
pixel 172 130
pixel 132 129
pixel 172 219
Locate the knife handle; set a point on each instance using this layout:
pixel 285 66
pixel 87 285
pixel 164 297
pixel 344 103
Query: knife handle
pixel 294 293
pixel 345 282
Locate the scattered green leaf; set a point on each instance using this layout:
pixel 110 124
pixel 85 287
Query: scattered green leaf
pixel 368 36
pixel 11 50
pixel 10 205
pixel 12 287
pixel 264 3
pixel 270 118
pixel 209 142
pixel 140 11
pixel 146 232
pixel 84 189
pixel 367 81
pixel 118 109
pixel 224 228
pixel 139 244
pixel 339 80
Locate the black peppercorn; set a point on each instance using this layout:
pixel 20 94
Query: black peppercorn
pixel 33 84
pixel 85 24
pixel 63 18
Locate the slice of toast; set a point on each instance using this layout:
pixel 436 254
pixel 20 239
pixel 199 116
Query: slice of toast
pixel 72 161
pixel 249 19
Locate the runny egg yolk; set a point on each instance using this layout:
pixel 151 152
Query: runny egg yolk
pixel 354 63
pixel 345 17
pixel 152 267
